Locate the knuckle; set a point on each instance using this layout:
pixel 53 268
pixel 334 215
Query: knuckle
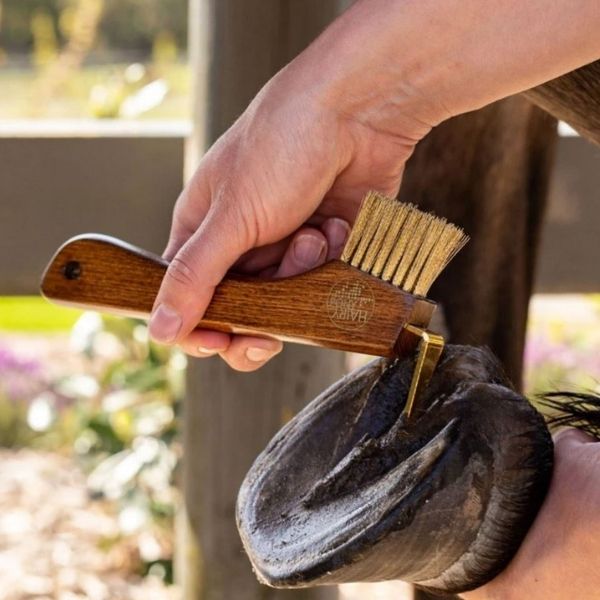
pixel 238 206
pixel 181 272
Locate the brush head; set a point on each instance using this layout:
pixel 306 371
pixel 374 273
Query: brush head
pixel 401 244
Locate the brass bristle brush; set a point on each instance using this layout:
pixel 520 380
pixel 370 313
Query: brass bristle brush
pixel 370 301
pixel 401 244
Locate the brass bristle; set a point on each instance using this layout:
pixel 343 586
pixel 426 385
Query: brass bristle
pixel 401 211
pixel 397 242
pixel 363 218
pixel 376 219
pixel 400 243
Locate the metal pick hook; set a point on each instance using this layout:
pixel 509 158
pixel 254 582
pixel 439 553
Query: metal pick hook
pixel 429 351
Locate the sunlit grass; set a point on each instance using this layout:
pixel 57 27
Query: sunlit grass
pixel 21 88
pixel 29 314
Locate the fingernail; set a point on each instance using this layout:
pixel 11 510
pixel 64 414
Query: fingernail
pixel 165 324
pixel 202 351
pixel 338 231
pixel 258 355
pixel 308 250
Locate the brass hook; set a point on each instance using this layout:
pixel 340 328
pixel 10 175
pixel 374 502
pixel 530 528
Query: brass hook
pixel 428 355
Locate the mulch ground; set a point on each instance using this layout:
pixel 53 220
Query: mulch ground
pixel 56 543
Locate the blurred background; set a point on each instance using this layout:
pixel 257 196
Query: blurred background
pixel 95 115
pixel 65 59
pixel 88 408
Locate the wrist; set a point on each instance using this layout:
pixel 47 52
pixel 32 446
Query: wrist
pixel 494 590
pixel 351 70
pixel 404 66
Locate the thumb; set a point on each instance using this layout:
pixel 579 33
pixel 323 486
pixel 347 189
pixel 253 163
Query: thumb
pixel 192 276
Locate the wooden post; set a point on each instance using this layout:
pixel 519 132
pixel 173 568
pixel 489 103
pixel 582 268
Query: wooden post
pixel 236 46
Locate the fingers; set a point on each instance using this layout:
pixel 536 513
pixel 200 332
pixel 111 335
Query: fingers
pixel 193 273
pixel 311 247
pixel 243 353
pixel 258 259
pixel 190 210
pixel 203 343
pixel 571 436
pixel 266 261
pixel 307 250
pixel 336 231
pixel 248 353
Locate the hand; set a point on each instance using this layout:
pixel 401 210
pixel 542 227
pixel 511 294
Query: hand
pixel 272 197
pixel 340 120
pixel 559 556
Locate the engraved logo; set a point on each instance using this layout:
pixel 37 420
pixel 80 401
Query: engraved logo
pixel 350 304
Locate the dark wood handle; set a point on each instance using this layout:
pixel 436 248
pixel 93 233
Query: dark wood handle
pixel 335 305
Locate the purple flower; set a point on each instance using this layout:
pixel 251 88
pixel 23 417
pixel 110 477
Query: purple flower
pixel 9 361
pixel 20 378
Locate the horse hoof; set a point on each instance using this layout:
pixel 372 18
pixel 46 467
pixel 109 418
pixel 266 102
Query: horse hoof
pixel 350 491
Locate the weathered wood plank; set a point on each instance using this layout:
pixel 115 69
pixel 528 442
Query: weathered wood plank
pixel 568 258
pixel 55 188
pixel 228 419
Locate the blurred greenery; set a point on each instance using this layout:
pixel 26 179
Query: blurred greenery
pixel 117 410
pixel 125 24
pixel 14 430
pixel 116 402
pixel 94 58
pixel 20 88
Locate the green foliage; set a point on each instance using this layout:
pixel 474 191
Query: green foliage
pixel 45 45
pixel 126 24
pixel 15 28
pixel 19 100
pixel 134 90
pixel 129 440
pixel 118 412
pixel 14 431
pixel 75 46
pixel 164 49
pixel 134 24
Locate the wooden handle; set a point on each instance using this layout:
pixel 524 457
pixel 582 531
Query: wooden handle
pixel 335 305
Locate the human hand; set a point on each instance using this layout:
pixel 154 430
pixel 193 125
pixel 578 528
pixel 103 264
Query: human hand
pixel 558 558
pixel 341 119
pixel 273 197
